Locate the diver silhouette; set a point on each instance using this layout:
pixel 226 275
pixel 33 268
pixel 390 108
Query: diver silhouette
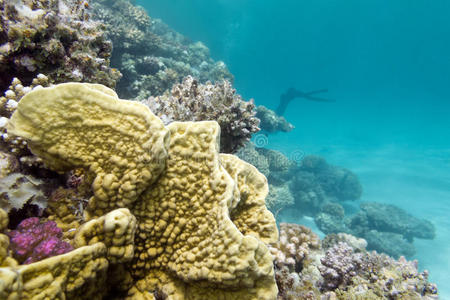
pixel 293 93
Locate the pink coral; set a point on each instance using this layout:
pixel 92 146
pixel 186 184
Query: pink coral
pixel 33 241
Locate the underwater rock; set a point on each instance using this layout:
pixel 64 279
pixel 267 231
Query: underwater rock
pixel 151 56
pixel 192 101
pixel 53 37
pixel 271 122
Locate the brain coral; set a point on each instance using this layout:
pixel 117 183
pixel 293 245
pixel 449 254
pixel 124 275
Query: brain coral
pixel 191 239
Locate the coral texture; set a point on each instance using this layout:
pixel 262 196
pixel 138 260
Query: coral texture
pixel 152 56
pixel 32 241
pixel 296 241
pixel 78 274
pixel 131 160
pixel 250 154
pixel 192 101
pixel 53 37
pixel 191 240
pixel 340 271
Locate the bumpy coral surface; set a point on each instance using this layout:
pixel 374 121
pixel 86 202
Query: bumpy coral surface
pixel 191 240
pixel 32 241
pixel 124 166
pixel 192 101
pixel 78 274
pixel 152 56
pixel 53 37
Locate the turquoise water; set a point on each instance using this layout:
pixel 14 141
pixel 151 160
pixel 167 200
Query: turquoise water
pixel 387 65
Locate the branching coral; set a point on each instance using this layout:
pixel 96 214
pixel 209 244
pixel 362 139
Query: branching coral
pixel 192 101
pixel 191 239
pixel 54 37
pixel 296 241
pixel 340 271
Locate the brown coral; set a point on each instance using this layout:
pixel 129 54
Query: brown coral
pixel 53 37
pixel 192 101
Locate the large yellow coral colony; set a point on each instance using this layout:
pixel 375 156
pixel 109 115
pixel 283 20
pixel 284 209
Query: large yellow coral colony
pixel 170 216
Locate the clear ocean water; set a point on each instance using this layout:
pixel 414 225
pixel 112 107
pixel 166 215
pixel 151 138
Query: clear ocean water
pixel 387 65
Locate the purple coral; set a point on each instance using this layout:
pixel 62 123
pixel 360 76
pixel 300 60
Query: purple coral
pixel 33 241
pixel 339 265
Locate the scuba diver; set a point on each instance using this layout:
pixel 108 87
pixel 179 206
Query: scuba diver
pixel 293 93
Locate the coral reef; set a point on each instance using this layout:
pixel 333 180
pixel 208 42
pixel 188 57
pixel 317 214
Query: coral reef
pixel 279 197
pixel 338 183
pixel 200 220
pixel 270 121
pixel 391 218
pixel 192 101
pixel 312 184
pixel 342 269
pixel 387 228
pixel 296 241
pixel 151 56
pixel 316 183
pixel 53 37
pixel 32 241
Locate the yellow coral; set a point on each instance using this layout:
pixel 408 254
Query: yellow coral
pixel 86 125
pixel 58 277
pixel 186 229
pixel 186 245
pixel 116 230
pixel 250 214
pixel 5 260
pixel 3 220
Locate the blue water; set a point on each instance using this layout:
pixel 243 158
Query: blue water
pixel 387 65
